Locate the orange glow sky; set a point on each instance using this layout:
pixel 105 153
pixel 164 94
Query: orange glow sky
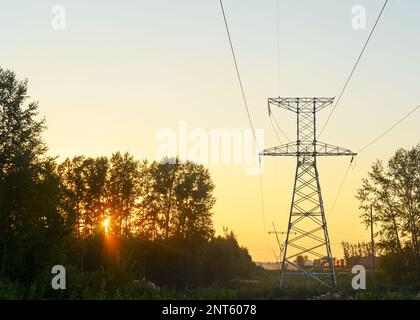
pixel 121 72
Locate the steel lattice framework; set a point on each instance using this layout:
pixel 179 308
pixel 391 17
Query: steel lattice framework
pixel 307 232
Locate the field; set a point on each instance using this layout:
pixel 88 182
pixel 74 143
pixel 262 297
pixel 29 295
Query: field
pixel 265 285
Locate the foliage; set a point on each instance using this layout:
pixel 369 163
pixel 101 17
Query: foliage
pixel 159 215
pixel 151 201
pixel 394 194
pixel 31 217
pixel 160 241
pixel 359 249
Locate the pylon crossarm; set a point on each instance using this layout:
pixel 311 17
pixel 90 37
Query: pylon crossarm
pixel 287 150
pixel 300 104
pixel 318 149
pixel 325 149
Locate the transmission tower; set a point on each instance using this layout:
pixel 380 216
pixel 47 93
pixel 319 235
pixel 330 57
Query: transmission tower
pixel 307 232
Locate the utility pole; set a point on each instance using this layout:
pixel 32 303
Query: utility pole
pixel 279 242
pixel 277 233
pixel 307 215
pixel 372 240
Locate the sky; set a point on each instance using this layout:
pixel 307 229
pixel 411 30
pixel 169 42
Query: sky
pixel 122 73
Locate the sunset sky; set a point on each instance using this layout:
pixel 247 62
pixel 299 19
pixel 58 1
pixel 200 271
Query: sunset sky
pixel 121 72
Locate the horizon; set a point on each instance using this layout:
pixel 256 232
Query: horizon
pixel 123 69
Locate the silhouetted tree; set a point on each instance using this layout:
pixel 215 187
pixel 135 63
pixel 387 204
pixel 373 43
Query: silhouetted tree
pixel 394 192
pixel 83 182
pixel 194 202
pixel 160 200
pixel 179 199
pixel 51 214
pixel 124 191
pixel 32 218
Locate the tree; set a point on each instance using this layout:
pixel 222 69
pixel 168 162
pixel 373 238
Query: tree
pixel 84 190
pixel 194 202
pixel 159 201
pixel 359 249
pixel 97 195
pixel 394 193
pixel 32 217
pixel 160 214
pixel 124 191
pixel 179 199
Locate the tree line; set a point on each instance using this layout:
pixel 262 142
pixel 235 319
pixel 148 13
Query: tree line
pixel 158 215
pixel 156 200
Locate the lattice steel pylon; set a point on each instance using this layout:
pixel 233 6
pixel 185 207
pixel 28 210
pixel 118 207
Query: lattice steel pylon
pixel 307 233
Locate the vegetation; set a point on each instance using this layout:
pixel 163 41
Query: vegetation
pixel 111 221
pixel 394 194
pixel 129 229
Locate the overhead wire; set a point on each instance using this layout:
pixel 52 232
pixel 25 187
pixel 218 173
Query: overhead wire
pixel 340 188
pixel 354 67
pixel 368 145
pixel 332 111
pixel 390 129
pixel 275 131
pixel 237 71
pixel 340 96
pixel 246 107
pixel 278 127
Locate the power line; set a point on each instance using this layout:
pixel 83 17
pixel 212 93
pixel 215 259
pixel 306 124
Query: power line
pixel 354 67
pixel 341 187
pixel 262 202
pixel 279 73
pixel 246 107
pixel 237 72
pixel 365 147
pixel 387 131
pixel 278 127
pixel 275 131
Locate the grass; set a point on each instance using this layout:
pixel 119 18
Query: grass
pixel 264 284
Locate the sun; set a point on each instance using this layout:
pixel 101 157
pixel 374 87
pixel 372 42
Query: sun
pixel 105 224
